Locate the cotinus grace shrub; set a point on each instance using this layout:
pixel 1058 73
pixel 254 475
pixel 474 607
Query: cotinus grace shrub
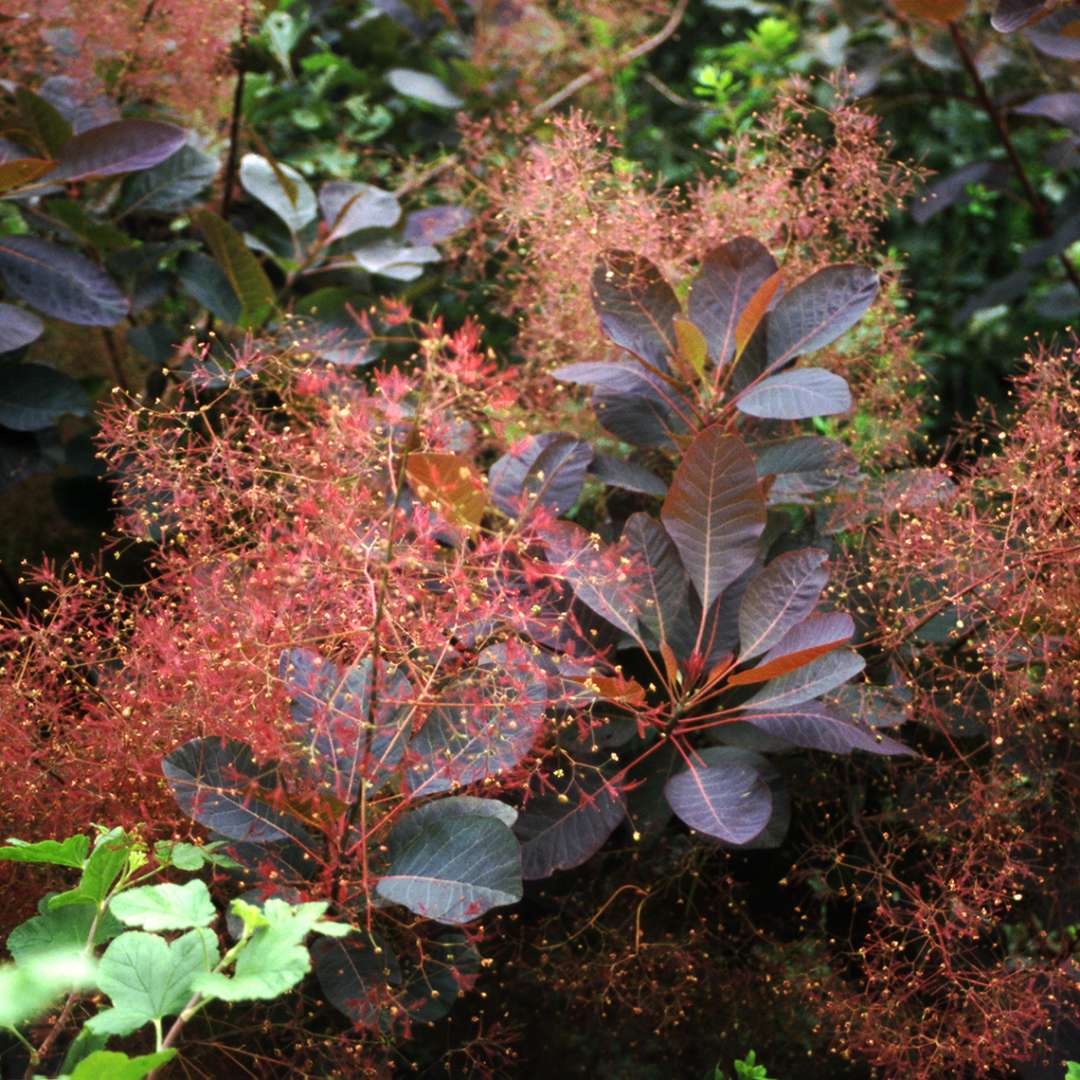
pixel 394 683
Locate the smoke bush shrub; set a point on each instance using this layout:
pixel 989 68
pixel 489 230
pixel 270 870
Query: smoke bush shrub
pixel 339 632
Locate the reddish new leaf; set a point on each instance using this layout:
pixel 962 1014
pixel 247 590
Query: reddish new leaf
pixel 715 512
pixel 938 11
pixel 814 637
pixel 809 681
pixel 13 174
pixel 756 310
pixel 450 483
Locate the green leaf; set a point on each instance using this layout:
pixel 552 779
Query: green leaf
pixel 109 857
pixel 148 978
pixel 28 990
pixel 66 928
pixel 274 959
pixel 455 869
pixel 193 857
pixel 44 124
pixel 69 852
pixel 165 907
pixel 281 189
pixel 82 1046
pixel 112 1065
pixel 245 273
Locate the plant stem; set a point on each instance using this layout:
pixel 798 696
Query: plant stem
pixel 234 118
pixel 586 78
pixel 1043 220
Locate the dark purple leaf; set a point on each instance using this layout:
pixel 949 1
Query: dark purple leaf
pixel 729 800
pixel 18 327
pixel 1002 291
pixel 659 571
pixel 635 306
pixel 60 282
pixel 1010 15
pixel 172 186
pixel 506 478
pixel 33 397
pixel 488 723
pixel 448 963
pixel 215 781
pixel 735 753
pixel 729 277
pixel 797 395
pixel 1062 108
pixel 804 467
pixel 951 188
pixel 647 808
pixel 594 573
pixel 348 207
pixel 556 477
pixel 875 706
pixel 783 594
pixel 818 310
pixel 356 974
pixel 1056 35
pixel 436 224
pixel 626 475
pixel 561 834
pixel 641 406
pixel 715 512
pixel 455 869
pixel 330 706
pixel 1065 234
pixel 823 727
pixel 123 146
pixel 78 103
pixel 810 681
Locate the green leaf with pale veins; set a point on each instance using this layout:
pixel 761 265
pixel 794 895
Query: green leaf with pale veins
pixel 165 907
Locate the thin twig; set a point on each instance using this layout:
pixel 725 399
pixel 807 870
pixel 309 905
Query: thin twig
pixel 586 78
pixel 673 96
pixel 1043 220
